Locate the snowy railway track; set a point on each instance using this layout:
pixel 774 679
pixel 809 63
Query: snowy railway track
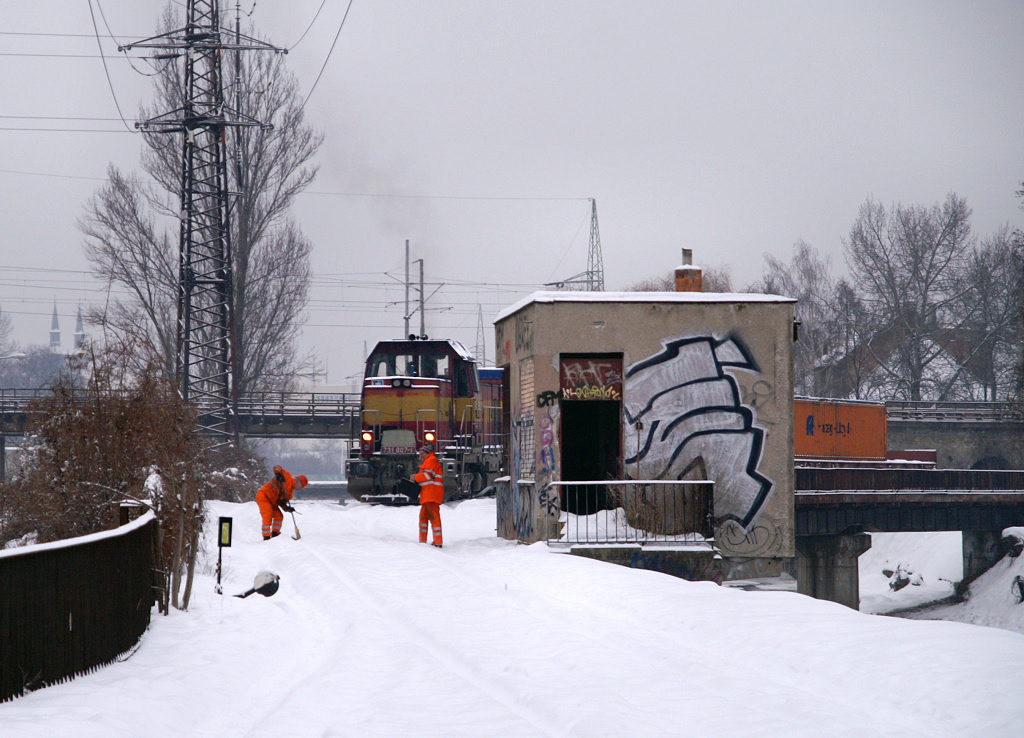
pixel 674 647
pixel 401 623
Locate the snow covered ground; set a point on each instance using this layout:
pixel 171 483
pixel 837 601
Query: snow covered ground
pixel 373 634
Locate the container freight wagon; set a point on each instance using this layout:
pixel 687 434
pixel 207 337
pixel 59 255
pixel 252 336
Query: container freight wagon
pixel 843 430
pixel 416 391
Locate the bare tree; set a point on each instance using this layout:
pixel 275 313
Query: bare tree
pixel 907 263
pixel 131 226
pixel 986 347
pixel 807 278
pixel 91 447
pixel 848 367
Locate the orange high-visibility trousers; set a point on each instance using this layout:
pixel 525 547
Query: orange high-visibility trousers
pixel 272 517
pixel 430 512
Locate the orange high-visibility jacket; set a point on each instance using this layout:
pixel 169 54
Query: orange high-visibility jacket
pixel 273 492
pixel 431 480
pixel 289 483
pixel 276 493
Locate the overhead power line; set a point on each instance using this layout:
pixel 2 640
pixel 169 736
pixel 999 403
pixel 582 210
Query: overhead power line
pixel 106 71
pixel 331 51
pixel 315 16
pixel 50 54
pixel 54 117
pixel 424 196
pixel 51 33
pixel 65 130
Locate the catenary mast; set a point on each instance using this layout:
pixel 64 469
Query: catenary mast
pixel 207 368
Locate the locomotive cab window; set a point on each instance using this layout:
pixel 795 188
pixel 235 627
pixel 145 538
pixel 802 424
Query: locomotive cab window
pixel 381 365
pixel 465 379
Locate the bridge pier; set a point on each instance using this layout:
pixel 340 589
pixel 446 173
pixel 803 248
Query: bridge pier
pixel 826 567
pixel 982 549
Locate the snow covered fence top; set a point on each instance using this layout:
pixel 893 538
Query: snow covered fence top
pixel 79 540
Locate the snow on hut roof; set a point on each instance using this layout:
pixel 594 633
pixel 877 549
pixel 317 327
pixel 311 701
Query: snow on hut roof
pixel 695 297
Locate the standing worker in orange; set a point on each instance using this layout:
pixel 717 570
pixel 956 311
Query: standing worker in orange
pixel 275 496
pixel 431 480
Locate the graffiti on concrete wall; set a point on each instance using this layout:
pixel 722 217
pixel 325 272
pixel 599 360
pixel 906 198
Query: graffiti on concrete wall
pixel 589 378
pixel 524 335
pixel 683 411
pixel 546 422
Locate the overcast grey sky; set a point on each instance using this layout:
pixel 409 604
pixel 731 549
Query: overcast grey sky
pixel 732 128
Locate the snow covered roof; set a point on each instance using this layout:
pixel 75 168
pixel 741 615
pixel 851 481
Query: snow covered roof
pixel 457 346
pixel 694 297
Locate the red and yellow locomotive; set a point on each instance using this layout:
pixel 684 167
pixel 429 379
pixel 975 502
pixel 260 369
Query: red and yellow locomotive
pixel 426 390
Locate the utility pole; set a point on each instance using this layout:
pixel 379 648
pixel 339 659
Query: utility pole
pixel 423 325
pixel 406 334
pixel 207 371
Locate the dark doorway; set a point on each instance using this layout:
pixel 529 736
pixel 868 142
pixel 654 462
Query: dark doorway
pixel 590 449
pixel 590 440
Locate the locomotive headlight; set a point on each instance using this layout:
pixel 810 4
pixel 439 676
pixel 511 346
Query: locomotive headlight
pixel 366 442
pixel 429 436
pixel 407 383
pixel 396 382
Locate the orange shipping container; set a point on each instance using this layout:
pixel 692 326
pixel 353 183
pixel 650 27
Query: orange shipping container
pixel 838 429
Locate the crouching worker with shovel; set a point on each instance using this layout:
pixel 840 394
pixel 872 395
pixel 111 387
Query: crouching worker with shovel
pixel 275 496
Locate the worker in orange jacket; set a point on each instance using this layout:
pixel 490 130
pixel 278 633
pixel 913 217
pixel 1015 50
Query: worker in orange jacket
pixel 430 477
pixel 275 496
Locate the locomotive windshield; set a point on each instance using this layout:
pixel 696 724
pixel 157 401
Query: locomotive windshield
pixel 401 363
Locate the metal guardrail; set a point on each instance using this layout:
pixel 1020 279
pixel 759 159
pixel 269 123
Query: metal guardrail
pixel 954 411
pixel 635 512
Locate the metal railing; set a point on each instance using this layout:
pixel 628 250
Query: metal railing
pixel 67 607
pixel 299 404
pixel 635 512
pixel 959 411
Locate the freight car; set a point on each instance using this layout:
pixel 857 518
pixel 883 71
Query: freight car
pixel 420 390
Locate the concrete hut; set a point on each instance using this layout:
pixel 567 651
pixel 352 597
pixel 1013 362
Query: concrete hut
pixel 653 386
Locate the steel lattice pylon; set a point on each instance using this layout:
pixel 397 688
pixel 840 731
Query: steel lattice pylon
pixel 595 262
pixel 206 368
pixel 593 278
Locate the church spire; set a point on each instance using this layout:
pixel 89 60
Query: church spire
pixel 79 329
pixel 55 330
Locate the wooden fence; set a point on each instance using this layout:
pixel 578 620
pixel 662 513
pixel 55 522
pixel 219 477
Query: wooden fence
pixel 68 607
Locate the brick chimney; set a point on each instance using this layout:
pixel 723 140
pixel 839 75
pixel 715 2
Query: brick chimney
pixel 688 277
